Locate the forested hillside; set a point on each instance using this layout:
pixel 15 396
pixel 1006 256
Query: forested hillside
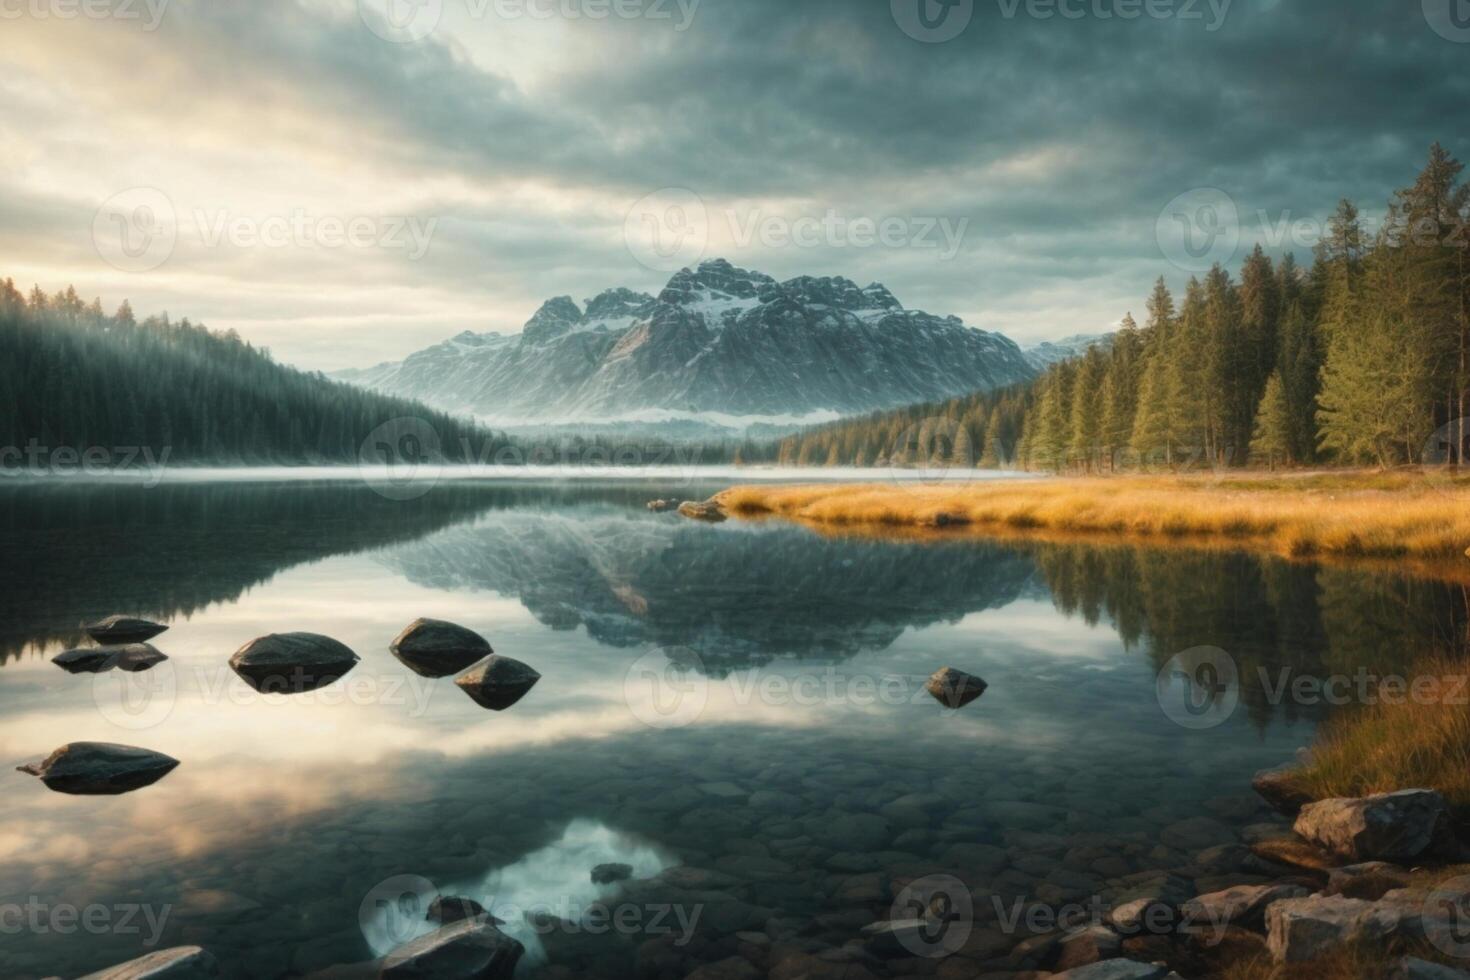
pixel 1362 358
pixel 74 378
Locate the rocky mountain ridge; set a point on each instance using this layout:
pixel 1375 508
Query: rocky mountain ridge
pixel 718 340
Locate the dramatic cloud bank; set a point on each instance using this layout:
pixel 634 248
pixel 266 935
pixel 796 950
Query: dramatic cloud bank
pixel 345 182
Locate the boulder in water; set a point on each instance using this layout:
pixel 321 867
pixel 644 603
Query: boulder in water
pixel 1278 787
pixel 123 629
pixel 137 657
pixel 448 909
pixel 706 510
pixel 101 768
pixel 467 950
pixel 179 963
pixel 434 648
pixel 85 660
pixel 292 663
pixel 132 657
pixel 499 682
pixel 954 688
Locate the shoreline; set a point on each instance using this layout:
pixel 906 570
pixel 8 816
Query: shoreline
pixel 1415 518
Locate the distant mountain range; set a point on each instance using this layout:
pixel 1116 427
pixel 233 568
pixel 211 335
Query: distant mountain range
pixel 1047 353
pixel 719 344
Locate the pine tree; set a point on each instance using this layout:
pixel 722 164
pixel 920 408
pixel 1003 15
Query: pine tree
pixel 1300 370
pixel 1087 409
pixel 1272 438
pixel 995 455
pixel 1120 389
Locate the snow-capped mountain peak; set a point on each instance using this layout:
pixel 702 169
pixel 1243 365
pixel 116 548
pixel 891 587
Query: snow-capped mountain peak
pixel 716 339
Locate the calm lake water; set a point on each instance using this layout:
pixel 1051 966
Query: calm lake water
pixel 744 700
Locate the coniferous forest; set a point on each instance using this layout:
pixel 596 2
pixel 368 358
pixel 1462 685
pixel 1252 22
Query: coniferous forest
pixel 1361 358
pixel 74 378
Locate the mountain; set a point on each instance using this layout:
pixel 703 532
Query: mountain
pixel 1050 352
pixel 718 341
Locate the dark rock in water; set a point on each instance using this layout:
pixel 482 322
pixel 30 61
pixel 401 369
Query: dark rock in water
pixel 663 506
pixel 85 660
pixel 606 874
pixel 137 657
pixel 434 648
pixel 955 688
pixel 499 682
pixel 179 963
pixel 1277 787
pixel 101 768
pixel 706 510
pixel 123 629
pixel 448 909
pixel 132 657
pixel 292 663
pixel 468 950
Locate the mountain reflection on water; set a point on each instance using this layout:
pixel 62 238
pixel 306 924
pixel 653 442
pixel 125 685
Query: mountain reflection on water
pixel 804 796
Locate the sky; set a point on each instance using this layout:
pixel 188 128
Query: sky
pixel 348 181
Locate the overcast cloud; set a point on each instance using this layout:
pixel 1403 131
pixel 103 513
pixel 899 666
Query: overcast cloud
pixel 346 183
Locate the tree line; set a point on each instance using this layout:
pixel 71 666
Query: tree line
pixel 1364 357
pixel 74 379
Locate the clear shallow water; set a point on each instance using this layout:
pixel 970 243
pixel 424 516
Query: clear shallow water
pixel 742 699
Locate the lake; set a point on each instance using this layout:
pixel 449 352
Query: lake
pixel 737 712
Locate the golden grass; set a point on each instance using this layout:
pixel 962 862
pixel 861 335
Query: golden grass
pixel 1408 741
pixel 1358 515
